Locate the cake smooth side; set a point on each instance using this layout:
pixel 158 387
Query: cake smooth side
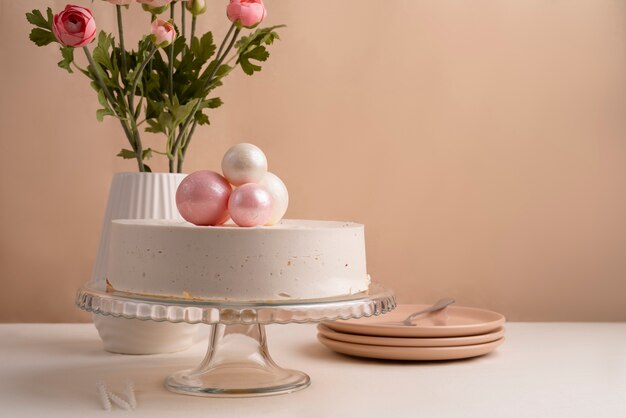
pixel 294 259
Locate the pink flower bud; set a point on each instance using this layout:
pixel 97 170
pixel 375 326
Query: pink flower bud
pixel 163 33
pixel 248 13
pixel 74 26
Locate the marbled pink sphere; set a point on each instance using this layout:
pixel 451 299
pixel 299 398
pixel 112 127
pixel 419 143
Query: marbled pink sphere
pixel 250 205
pixel 202 198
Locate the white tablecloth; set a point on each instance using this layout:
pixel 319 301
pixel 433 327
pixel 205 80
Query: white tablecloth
pixel 542 370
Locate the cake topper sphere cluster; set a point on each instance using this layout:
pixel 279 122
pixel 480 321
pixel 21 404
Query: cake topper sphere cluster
pixel 206 198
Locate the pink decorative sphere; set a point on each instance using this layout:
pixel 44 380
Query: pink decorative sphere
pixel 202 198
pixel 250 205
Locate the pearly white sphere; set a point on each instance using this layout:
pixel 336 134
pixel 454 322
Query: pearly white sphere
pixel 280 196
pixel 244 163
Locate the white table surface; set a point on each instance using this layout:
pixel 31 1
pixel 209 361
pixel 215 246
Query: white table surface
pixel 542 370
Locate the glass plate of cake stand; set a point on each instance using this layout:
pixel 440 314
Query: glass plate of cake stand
pixel 237 363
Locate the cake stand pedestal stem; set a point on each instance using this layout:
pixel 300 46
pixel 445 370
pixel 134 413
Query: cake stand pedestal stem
pixel 237 364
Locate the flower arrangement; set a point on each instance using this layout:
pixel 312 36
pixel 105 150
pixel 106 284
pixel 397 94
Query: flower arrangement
pixel 164 85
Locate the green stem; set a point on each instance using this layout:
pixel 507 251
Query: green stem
pixel 193 27
pixel 168 149
pixel 133 89
pixel 134 143
pixel 152 19
pixel 138 109
pixel 140 70
pixel 168 146
pixel 220 59
pixel 120 27
pixel 230 30
pixel 170 70
pixel 170 64
pixel 183 13
pixel 188 137
pixel 134 113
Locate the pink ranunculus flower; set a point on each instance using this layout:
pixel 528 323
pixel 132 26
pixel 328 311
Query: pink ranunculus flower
pixel 163 33
pixel 155 3
pixel 120 2
pixel 74 26
pixel 249 13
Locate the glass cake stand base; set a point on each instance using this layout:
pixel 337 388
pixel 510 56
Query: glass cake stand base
pixel 237 362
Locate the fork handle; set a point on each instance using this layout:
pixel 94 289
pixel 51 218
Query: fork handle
pixel 440 304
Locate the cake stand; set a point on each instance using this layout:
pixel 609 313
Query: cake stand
pixel 237 362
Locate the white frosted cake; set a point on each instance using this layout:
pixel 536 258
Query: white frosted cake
pixel 293 259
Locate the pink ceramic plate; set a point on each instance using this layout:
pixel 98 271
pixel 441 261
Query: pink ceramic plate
pixel 410 342
pixel 410 353
pixel 453 321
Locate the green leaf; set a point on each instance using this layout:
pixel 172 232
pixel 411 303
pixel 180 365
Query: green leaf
pixel 248 67
pixel 126 154
pixel 42 37
pixel 153 109
pixel 42 34
pixel 178 112
pixel 204 49
pixel 211 103
pixel 147 168
pixel 195 45
pixel 50 17
pixel 102 98
pixel 223 70
pixel 68 58
pixel 270 37
pixel 259 53
pixel 251 48
pixel 201 118
pixel 166 122
pixel 179 44
pixel 154 126
pixel 101 113
pixel 259 36
pixel 85 72
pixel 147 154
pixel 36 18
pixel 101 53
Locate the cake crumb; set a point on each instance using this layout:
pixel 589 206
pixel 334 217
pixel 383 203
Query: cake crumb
pixel 284 295
pixel 187 295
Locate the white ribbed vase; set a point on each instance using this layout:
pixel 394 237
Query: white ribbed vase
pixel 139 196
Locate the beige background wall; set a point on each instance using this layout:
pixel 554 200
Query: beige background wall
pixel 483 144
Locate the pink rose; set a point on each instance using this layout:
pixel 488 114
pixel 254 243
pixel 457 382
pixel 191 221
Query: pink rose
pixel 120 2
pixel 249 13
pixel 155 3
pixel 163 33
pixel 74 26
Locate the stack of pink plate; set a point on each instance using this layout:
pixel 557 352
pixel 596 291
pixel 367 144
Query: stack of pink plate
pixel 455 332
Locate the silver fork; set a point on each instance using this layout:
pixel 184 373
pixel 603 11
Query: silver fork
pixel 439 305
